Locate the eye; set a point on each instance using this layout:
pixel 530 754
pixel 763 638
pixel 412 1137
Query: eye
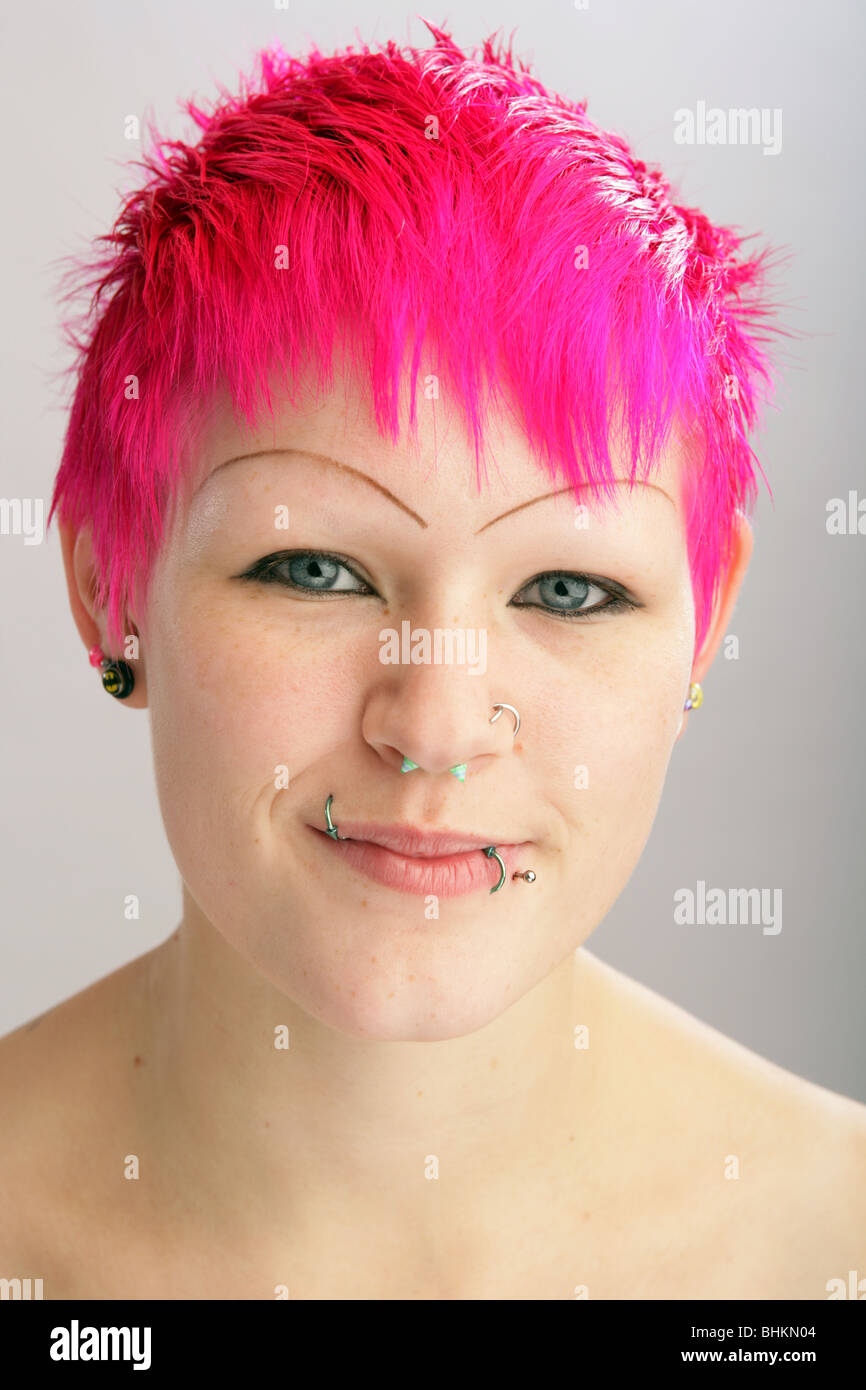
pixel 562 593
pixel 310 571
pixel 568 595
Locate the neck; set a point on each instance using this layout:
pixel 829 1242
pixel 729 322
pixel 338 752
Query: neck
pixel 256 1124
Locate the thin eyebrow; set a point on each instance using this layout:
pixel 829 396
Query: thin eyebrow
pixel 571 488
pixel 520 507
pixel 336 463
pixel 365 478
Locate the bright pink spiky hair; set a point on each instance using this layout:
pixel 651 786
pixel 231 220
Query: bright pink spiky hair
pixel 470 237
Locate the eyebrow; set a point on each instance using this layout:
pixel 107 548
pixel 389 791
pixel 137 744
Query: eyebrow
pixel 371 482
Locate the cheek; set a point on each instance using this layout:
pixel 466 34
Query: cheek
pixel 610 757
pixel 240 706
pixel 613 716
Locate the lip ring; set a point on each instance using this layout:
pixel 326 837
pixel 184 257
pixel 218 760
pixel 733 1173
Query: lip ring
pixel 490 851
pixel 442 844
pixel 449 875
pixel 332 829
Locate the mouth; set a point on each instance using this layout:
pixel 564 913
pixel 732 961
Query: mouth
pixel 415 842
pixel 444 863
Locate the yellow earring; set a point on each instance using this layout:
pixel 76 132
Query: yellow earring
pixel 696 697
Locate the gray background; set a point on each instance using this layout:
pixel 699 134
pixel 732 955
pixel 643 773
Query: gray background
pixel 766 788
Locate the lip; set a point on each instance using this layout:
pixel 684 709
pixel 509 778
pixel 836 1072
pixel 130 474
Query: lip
pixel 459 866
pixel 416 843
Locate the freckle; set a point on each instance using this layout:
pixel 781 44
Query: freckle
pixel 494 1062
pixel 571 1138
pixel 373 960
pixel 391 995
pixel 586 1216
pixel 352 992
pixel 411 977
pixel 338 989
pixel 136 1061
pixel 420 1093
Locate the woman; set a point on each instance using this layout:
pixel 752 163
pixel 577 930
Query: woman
pixel 410 728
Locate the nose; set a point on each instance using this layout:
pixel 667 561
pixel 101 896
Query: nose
pixel 438 717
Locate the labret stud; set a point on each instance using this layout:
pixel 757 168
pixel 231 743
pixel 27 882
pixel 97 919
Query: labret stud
pixel 490 851
pixel 528 874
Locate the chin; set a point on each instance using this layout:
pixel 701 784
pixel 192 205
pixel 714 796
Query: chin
pixel 397 1000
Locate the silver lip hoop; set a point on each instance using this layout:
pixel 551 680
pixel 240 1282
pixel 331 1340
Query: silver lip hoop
pixel 441 850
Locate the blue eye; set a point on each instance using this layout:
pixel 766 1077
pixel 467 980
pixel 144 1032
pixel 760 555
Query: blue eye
pixel 562 593
pixel 315 571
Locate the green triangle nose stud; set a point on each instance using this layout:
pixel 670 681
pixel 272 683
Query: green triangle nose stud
pixel 459 769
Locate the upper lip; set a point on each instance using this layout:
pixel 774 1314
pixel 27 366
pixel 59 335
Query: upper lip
pixel 406 839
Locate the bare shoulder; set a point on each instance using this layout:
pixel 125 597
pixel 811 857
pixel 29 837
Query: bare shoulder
pixel 768 1165
pixel 60 1074
pixel 50 1058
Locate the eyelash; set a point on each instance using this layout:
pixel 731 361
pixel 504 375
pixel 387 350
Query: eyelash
pixel 264 571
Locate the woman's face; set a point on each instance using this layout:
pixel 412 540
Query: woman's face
pixel 265 699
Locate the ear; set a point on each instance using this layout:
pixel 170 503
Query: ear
pixel 81 584
pixel 743 541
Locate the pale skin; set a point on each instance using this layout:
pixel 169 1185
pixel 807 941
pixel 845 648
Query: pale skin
pixel 563 1172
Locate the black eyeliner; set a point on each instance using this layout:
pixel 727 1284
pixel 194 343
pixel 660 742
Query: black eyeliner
pixel 263 571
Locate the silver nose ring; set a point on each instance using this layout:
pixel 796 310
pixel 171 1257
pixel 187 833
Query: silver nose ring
pixel 499 708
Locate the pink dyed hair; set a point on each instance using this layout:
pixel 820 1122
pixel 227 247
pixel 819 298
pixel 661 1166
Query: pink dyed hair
pixel 468 233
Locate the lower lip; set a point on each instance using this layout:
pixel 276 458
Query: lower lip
pixel 449 876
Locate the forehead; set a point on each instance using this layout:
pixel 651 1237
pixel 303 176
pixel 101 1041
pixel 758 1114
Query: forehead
pixel 433 470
